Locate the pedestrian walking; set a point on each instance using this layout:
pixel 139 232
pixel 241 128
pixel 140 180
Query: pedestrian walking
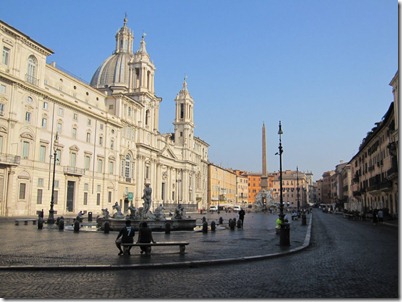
pixel 375 219
pixel 126 235
pixel 241 216
pixel 380 216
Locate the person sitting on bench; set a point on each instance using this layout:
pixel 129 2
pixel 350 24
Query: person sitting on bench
pixel 145 236
pixel 127 236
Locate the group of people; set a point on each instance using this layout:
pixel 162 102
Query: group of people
pixel 126 235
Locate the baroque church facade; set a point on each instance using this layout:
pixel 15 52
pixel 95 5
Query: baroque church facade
pixel 92 145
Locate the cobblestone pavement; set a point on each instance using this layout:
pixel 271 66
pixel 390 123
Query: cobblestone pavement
pixel 53 249
pixel 346 259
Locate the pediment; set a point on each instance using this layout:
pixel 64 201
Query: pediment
pixel 168 153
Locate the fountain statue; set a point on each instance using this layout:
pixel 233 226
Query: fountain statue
pixel 156 220
pixel 118 213
pixel 147 201
pixel 179 212
pixel 263 195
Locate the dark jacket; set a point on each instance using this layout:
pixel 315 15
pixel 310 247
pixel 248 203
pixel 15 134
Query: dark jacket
pixel 128 234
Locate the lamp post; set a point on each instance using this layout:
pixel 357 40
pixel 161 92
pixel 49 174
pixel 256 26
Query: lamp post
pixel 284 232
pixel 298 190
pixel 51 211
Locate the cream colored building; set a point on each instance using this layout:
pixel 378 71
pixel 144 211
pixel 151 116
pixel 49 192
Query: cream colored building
pixel 295 188
pixel 108 144
pixel 222 186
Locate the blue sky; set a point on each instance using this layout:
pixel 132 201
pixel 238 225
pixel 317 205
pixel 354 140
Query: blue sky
pixel 321 67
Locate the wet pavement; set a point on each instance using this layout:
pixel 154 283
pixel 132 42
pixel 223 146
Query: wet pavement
pixel 26 247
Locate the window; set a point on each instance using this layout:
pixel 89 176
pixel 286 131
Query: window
pixel 44 123
pixel 59 127
pixel 73 159
pixel 28 116
pixel 58 157
pixel 101 126
pixel 2 88
pixel 56 197
pixel 85 198
pixel 147 116
pixel 111 167
pixel 1 109
pixel 181 111
pixel 87 162
pixel 109 197
pixel 127 166
pixel 74 132
pixel 101 141
pixel 22 190
pixel 6 56
pixel 32 66
pixel 40 182
pixel 100 164
pixel 112 144
pixel 98 195
pixel 89 122
pixel 61 111
pixel 25 150
pixel 88 137
pixel 1 143
pixel 86 186
pixel 39 196
pixel 45 105
pixel 42 154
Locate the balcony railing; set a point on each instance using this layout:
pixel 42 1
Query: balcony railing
pixel 31 79
pixel 8 159
pixel 380 186
pixel 73 171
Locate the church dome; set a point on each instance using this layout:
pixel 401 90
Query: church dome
pixel 114 71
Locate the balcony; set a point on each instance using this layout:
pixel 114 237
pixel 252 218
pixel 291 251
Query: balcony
pixel 384 185
pixel 393 172
pixel 9 160
pixel 73 171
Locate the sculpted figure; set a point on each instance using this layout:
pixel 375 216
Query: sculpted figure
pixel 147 199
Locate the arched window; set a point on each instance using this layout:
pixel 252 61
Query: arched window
pixel 32 69
pixel 147 117
pixel 127 166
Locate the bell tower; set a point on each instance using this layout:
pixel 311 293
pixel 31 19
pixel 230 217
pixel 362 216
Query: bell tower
pixel 184 121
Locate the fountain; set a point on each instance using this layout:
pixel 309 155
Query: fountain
pixel 263 201
pixel 156 221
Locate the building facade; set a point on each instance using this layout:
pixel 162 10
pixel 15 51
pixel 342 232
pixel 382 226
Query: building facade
pixel 295 188
pixel 222 186
pixel 101 140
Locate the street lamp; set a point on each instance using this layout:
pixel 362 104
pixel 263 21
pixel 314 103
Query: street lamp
pixel 284 232
pixel 298 191
pixel 51 211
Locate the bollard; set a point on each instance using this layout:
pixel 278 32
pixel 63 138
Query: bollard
pixel 205 227
pixel 239 224
pixel 106 227
pixel 40 223
pixel 76 226
pixel 213 226
pixel 285 234
pixel 304 222
pixel 220 220
pixel 167 228
pixel 232 224
pixel 61 224
pixel 89 216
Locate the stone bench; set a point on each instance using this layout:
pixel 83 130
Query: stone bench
pixel 25 220
pixel 181 244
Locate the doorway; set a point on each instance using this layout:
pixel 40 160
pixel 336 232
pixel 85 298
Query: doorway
pixel 70 195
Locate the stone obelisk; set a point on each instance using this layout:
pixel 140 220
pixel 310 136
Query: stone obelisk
pixel 264 176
